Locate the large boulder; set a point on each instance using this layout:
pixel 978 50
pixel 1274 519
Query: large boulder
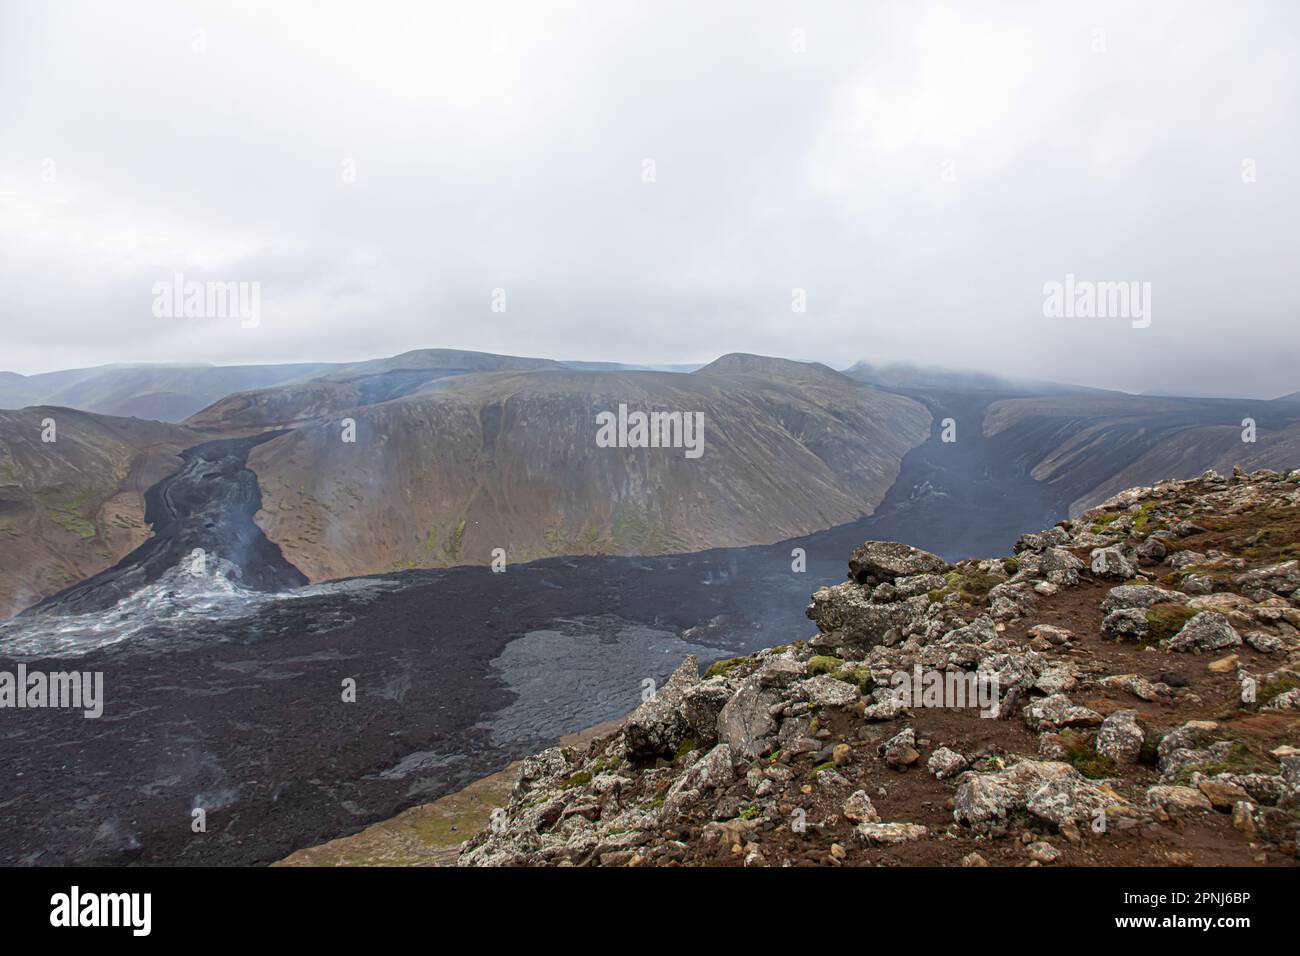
pixel 1208 631
pixel 658 726
pixel 1130 622
pixel 847 611
pixel 1120 737
pixel 1111 562
pixel 701 705
pixel 1057 711
pixel 1060 567
pixel 1278 578
pixel 1048 789
pixel 879 561
pixel 713 771
pixel 1138 595
pixel 746 723
pixel 1041 540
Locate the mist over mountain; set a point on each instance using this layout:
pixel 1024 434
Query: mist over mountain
pixel 168 393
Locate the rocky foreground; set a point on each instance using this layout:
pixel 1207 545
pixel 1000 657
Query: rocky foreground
pixel 1140 673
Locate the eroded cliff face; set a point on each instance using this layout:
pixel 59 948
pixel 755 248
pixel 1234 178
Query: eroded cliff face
pixel 1132 696
pixel 73 507
pixel 461 466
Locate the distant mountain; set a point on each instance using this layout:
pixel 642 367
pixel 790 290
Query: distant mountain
pixel 352 386
pixel 1092 446
pixel 464 464
pixel 72 507
pixel 169 393
pixel 621 367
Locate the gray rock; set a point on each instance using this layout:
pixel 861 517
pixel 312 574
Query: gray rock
pixel 657 727
pixel 1042 540
pixel 1111 563
pixel 1057 711
pixel 878 561
pixel 1060 567
pixel 1129 622
pixel 1207 631
pixel 713 771
pixel 858 808
pixel 701 705
pixel 1177 798
pixel 889 834
pixel 917 584
pixel 847 610
pixel 827 691
pixel 945 763
pixel 1049 789
pixel 1043 852
pixel 1120 737
pixel 1138 595
pixel 745 722
pixel 1287 701
pixel 1279 578
pixel 1152 550
pixel 1185 559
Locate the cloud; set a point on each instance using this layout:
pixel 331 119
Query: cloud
pixel 921 170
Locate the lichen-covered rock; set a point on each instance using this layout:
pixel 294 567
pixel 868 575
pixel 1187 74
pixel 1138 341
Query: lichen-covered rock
pixel 1120 737
pixel 746 722
pixel 889 834
pixel 1152 550
pixel 1207 631
pixel 1138 596
pixel 826 691
pixel 1052 790
pixel 1281 578
pixel 656 728
pixel 1041 540
pixel 1177 798
pixel 710 772
pixel 1138 686
pixel 1060 567
pixel 1285 701
pixel 877 561
pixel 1111 562
pixel 1057 711
pixel 847 610
pixel 945 763
pixel 1128 622
pixel 1264 642
pixel 701 705
pixel 858 808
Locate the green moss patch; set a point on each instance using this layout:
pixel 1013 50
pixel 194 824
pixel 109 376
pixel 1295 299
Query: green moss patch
pixel 824 664
pixel 1166 620
pixel 1080 754
pixel 718 668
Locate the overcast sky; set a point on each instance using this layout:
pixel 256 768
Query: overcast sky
pixel 921 170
